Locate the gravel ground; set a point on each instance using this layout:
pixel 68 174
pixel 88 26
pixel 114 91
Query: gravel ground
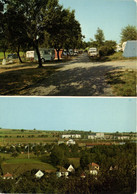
pixel 80 77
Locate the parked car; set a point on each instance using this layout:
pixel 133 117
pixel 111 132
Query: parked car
pixel 12 56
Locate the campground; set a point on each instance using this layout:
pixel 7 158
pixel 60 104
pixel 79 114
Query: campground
pixel 79 76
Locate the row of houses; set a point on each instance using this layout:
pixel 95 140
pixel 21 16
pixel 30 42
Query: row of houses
pixel 92 169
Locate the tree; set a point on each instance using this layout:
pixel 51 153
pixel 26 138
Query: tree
pixel 14 154
pixel 35 13
pixel 128 33
pixel 99 36
pixel 66 31
pixel 57 156
pixel 3 30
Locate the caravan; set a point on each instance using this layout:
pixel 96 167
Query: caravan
pixel 46 54
pixel 92 52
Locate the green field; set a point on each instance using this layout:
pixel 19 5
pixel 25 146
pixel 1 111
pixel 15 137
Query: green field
pixel 18 166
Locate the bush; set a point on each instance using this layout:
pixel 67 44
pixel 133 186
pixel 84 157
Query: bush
pixel 108 48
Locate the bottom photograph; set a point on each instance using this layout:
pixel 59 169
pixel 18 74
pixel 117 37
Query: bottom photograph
pixel 67 145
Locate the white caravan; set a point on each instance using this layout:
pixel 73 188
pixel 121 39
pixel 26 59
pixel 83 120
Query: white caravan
pixel 92 52
pixel 130 49
pixel 30 54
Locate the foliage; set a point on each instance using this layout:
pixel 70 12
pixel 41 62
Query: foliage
pixel 128 33
pixel 99 36
pixel 108 48
pixel 57 156
pixel 66 31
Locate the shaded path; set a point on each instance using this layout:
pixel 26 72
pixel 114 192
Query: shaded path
pixel 80 77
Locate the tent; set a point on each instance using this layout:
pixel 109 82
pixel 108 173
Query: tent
pixel 130 49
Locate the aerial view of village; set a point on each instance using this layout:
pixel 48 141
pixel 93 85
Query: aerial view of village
pixel 34 161
pixel 67 145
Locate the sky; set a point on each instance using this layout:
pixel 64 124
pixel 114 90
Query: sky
pixel 109 15
pixel 56 113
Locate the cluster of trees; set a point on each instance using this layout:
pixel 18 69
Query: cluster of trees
pixel 34 23
pixel 117 180
pixel 108 47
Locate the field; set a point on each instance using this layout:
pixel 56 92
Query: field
pixel 8 136
pixel 19 166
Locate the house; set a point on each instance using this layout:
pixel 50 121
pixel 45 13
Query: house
pixel 93 168
pixel 130 48
pixel 39 174
pixel 70 168
pixel 70 142
pixel 62 172
pixel 83 175
pixel 7 176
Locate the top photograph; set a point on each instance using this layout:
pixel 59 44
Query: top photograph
pixel 68 48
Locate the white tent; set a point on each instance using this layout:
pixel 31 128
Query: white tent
pixel 130 49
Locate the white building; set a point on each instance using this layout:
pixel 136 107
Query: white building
pixel 99 135
pixel 93 136
pixel 123 137
pixel 76 136
pixel 66 136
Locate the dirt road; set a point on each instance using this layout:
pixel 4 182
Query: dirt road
pixel 80 77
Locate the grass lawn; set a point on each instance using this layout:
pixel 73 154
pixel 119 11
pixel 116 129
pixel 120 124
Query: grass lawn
pixel 114 57
pixel 123 83
pixel 75 162
pixel 13 81
pixel 18 166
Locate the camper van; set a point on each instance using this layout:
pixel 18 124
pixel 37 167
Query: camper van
pixel 92 52
pixel 46 54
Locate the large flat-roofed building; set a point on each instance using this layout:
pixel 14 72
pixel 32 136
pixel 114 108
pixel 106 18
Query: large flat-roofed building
pixel 66 136
pixel 75 136
pixel 98 135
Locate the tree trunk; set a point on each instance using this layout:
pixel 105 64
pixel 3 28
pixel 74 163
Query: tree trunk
pixel 18 53
pixel 38 54
pixel 58 53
